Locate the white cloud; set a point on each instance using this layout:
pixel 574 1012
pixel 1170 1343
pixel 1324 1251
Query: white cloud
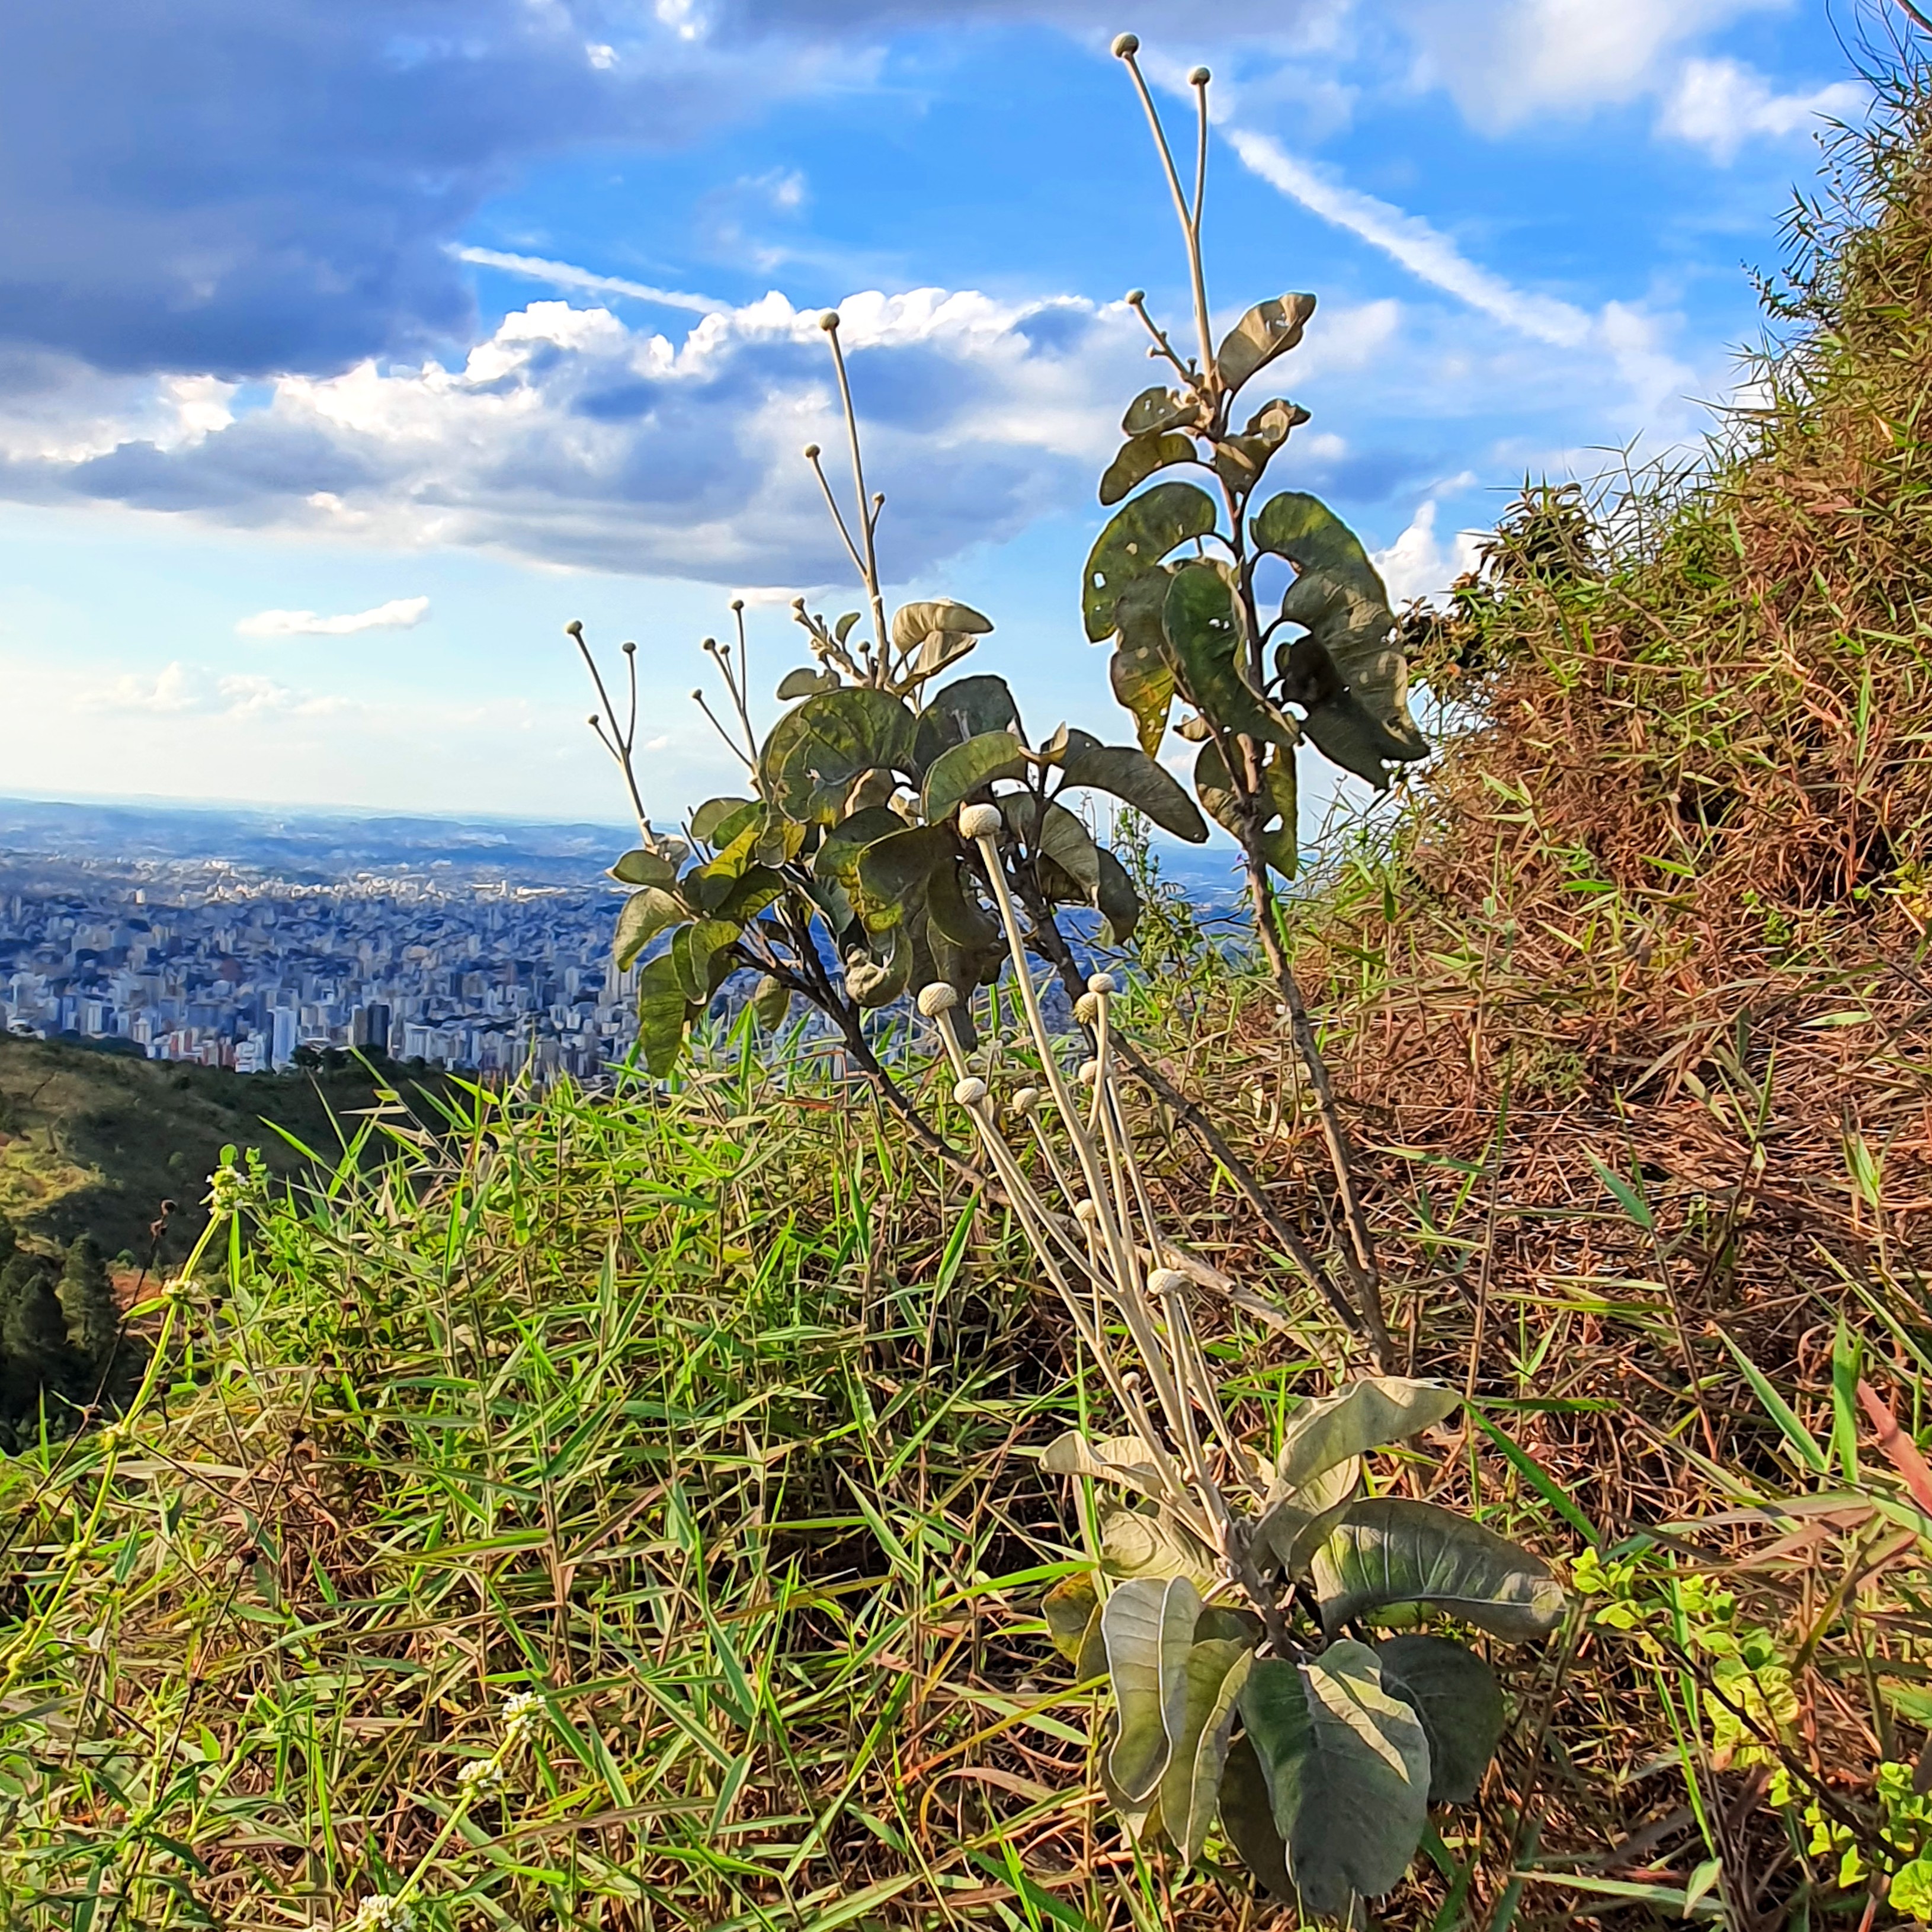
pixel 564 275
pixel 1721 104
pixel 1419 563
pixel 399 614
pixel 187 691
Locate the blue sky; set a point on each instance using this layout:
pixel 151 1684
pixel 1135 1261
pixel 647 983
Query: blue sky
pixel 347 351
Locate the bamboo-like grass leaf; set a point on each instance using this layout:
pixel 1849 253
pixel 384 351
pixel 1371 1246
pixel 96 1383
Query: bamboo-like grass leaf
pixel 1455 1695
pixel 1140 457
pixel 1388 1550
pixel 1190 1786
pixel 1346 1764
pixel 1367 1414
pixel 1141 535
pixel 1269 329
pixel 1148 1625
pixel 642 917
pixel 957 773
pixel 1128 774
pixel 816 754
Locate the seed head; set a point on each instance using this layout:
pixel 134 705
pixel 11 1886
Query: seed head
pixel 630 649
pixel 1199 77
pixel 937 998
pixel 978 821
pixel 1090 1072
pixel 1025 1100
pixel 1166 1281
pixel 828 321
pixel 1085 1213
pixel 574 628
pixel 1126 46
pixel 971 1091
pixel 1102 983
pixel 1087 1009
pixel 1135 297
pixel 737 603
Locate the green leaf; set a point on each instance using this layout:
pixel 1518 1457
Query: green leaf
pixel 1158 409
pixel 954 907
pixel 707 886
pixel 1190 1786
pixel 663 1013
pixel 1115 899
pixel 1780 1411
pixel 1204 627
pixel 1366 1414
pixel 719 820
pixel 1455 1695
pixel 1068 1608
pixel 1136 1543
pixel 1124 1459
pixel 968 707
pixel 1292 1524
pixel 1052 833
pixel 1247 1816
pixel 644 915
pixel 1346 1764
pixel 700 954
pixel 816 754
pixel 1141 535
pixel 1388 1550
pixel 956 775
pixel 872 980
pixel 1275 805
pixel 760 887
pixel 913 624
pixel 770 1003
pixel 893 870
pixel 1269 329
pixel 806 682
pixel 837 857
pixel 1148 1625
pixel 1127 773
pixel 644 868
pixel 1140 457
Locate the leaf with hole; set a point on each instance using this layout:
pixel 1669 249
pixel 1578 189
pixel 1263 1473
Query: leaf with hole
pixel 1190 1786
pixel 1141 457
pixel 1275 808
pixel 816 754
pixel 1346 1764
pixel 1456 1696
pixel 1141 535
pixel 644 915
pixel 1148 1625
pixel 1388 1550
pixel 1269 329
pixel 1367 1414
pixel 1127 773
pixel 1157 410
pixel 1142 669
pixel 1203 622
pixel 956 774
pixel 968 707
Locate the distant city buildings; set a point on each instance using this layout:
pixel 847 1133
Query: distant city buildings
pixel 231 967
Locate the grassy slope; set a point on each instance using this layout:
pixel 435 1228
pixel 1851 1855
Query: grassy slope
pixel 93 1142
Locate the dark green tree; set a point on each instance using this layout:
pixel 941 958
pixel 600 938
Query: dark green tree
pixel 87 1301
pixel 33 1335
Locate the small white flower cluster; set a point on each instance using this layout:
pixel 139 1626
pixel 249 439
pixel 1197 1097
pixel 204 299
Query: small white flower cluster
pixel 380 1912
pixel 521 1713
pixel 228 1187
pixel 480 1776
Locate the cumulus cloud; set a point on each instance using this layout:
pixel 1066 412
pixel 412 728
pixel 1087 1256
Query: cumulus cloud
pixel 569 436
pixel 1419 563
pixel 399 614
pixel 183 690
pixel 1721 104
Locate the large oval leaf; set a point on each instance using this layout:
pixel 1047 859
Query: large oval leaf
pixel 1140 537
pixel 643 916
pixel 1457 1696
pixel 1390 1550
pixel 1148 1628
pixel 1124 1459
pixel 1052 833
pixel 877 978
pixel 1203 625
pixel 700 954
pixel 1247 1816
pixel 893 870
pixel 1269 329
pixel 1140 457
pixel 837 857
pixel 1366 1414
pixel 1115 899
pixel 1142 669
pixel 663 1013
pixel 817 753
pixel 1276 807
pixel 1190 1786
pixel 1158 409
pixel 956 775
pixel 719 820
pixel 953 906
pixel 913 623
pixel 1145 1544
pixel 1346 1764
pixel 968 707
pixel 1128 773
pixel 640 867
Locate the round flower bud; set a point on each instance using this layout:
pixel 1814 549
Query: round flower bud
pixel 630 649
pixel 1102 982
pixel 698 696
pixel 1126 46
pixel 574 628
pixel 737 603
pixel 1199 77
pixel 1090 1072
pixel 937 998
pixel 1086 1009
pixel 971 1091
pixel 828 321
pixel 1135 297
pixel 1085 1213
pixel 978 821
pixel 1025 1100
pixel 810 456
pixel 1166 1281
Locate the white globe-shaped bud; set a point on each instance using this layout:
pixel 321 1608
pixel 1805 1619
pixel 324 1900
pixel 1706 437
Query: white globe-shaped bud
pixel 1198 77
pixel 1085 1213
pixel 810 456
pixel 1086 1009
pixel 828 321
pixel 1166 1281
pixel 1135 297
pixel 937 998
pixel 1090 1072
pixel 978 821
pixel 1025 1100
pixel 1102 983
pixel 971 1091
pixel 1126 46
